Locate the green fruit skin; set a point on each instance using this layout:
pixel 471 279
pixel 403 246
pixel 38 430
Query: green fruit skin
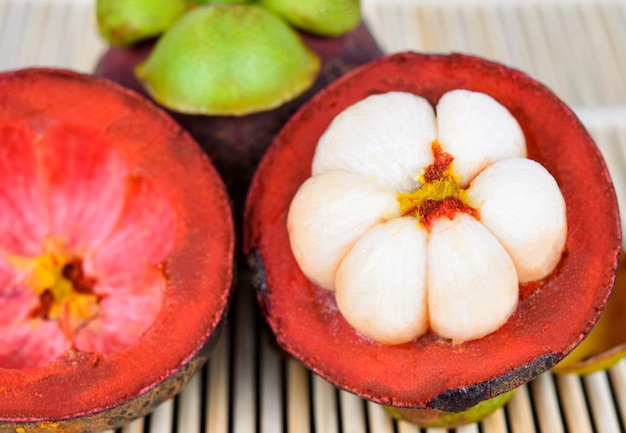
pixel 228 59
pixel 428 418
pixel 319 17
pixel 125 22
pixel 203 2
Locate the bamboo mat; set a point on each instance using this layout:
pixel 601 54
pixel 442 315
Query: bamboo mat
pixel 578 48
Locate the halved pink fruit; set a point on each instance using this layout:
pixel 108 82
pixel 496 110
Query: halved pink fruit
pixel 553 315
pixel 127 190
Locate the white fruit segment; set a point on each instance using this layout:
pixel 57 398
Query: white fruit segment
pixel 392 147
pixel 478 131
pixel 391 256
pixel 328 214
pixel 458 272
pixel 472 283
pixel 522 205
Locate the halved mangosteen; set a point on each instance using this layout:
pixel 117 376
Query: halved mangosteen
pixel 117 247
pixel 552 314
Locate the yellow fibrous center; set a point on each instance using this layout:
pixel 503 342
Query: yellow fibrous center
pixel 439 193
pixel 65 292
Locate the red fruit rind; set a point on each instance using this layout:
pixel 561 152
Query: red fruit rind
pixel 605 345
pixel 552 316
pixel 83 391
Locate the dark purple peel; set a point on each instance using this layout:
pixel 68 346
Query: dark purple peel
pixel 236 143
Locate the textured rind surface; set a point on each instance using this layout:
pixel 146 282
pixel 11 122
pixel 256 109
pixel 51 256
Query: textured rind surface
pixel 552 317
pixel 89 391
pixel 126 412
pixel 605 345
pixel 438 418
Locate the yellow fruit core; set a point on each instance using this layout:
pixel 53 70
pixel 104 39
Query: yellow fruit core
pixel 439 193
pixel 65 292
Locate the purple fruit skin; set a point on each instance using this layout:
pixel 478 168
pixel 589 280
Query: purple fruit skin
pixel 236 144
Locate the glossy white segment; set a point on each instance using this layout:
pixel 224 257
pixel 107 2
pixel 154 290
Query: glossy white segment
pixel 521 204
pixel 328 214
pixel 478 131
pixel 381 284
pixel 472 283
pixel 385 137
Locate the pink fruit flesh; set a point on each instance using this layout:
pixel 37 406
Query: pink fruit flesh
pixel 73 205
pixel 144 233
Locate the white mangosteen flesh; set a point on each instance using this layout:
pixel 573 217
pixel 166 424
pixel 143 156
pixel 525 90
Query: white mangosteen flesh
pixel 422 218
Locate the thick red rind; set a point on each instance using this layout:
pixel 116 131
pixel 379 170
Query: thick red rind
pixel 549 322
pixel 85 391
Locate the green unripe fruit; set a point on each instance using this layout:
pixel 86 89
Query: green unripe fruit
pixel 320 17
pixel 228 59
pixel 124 22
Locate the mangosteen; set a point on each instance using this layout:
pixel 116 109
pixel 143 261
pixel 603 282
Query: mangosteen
pixel 232 73
pixel 430 232
pixel 117 244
